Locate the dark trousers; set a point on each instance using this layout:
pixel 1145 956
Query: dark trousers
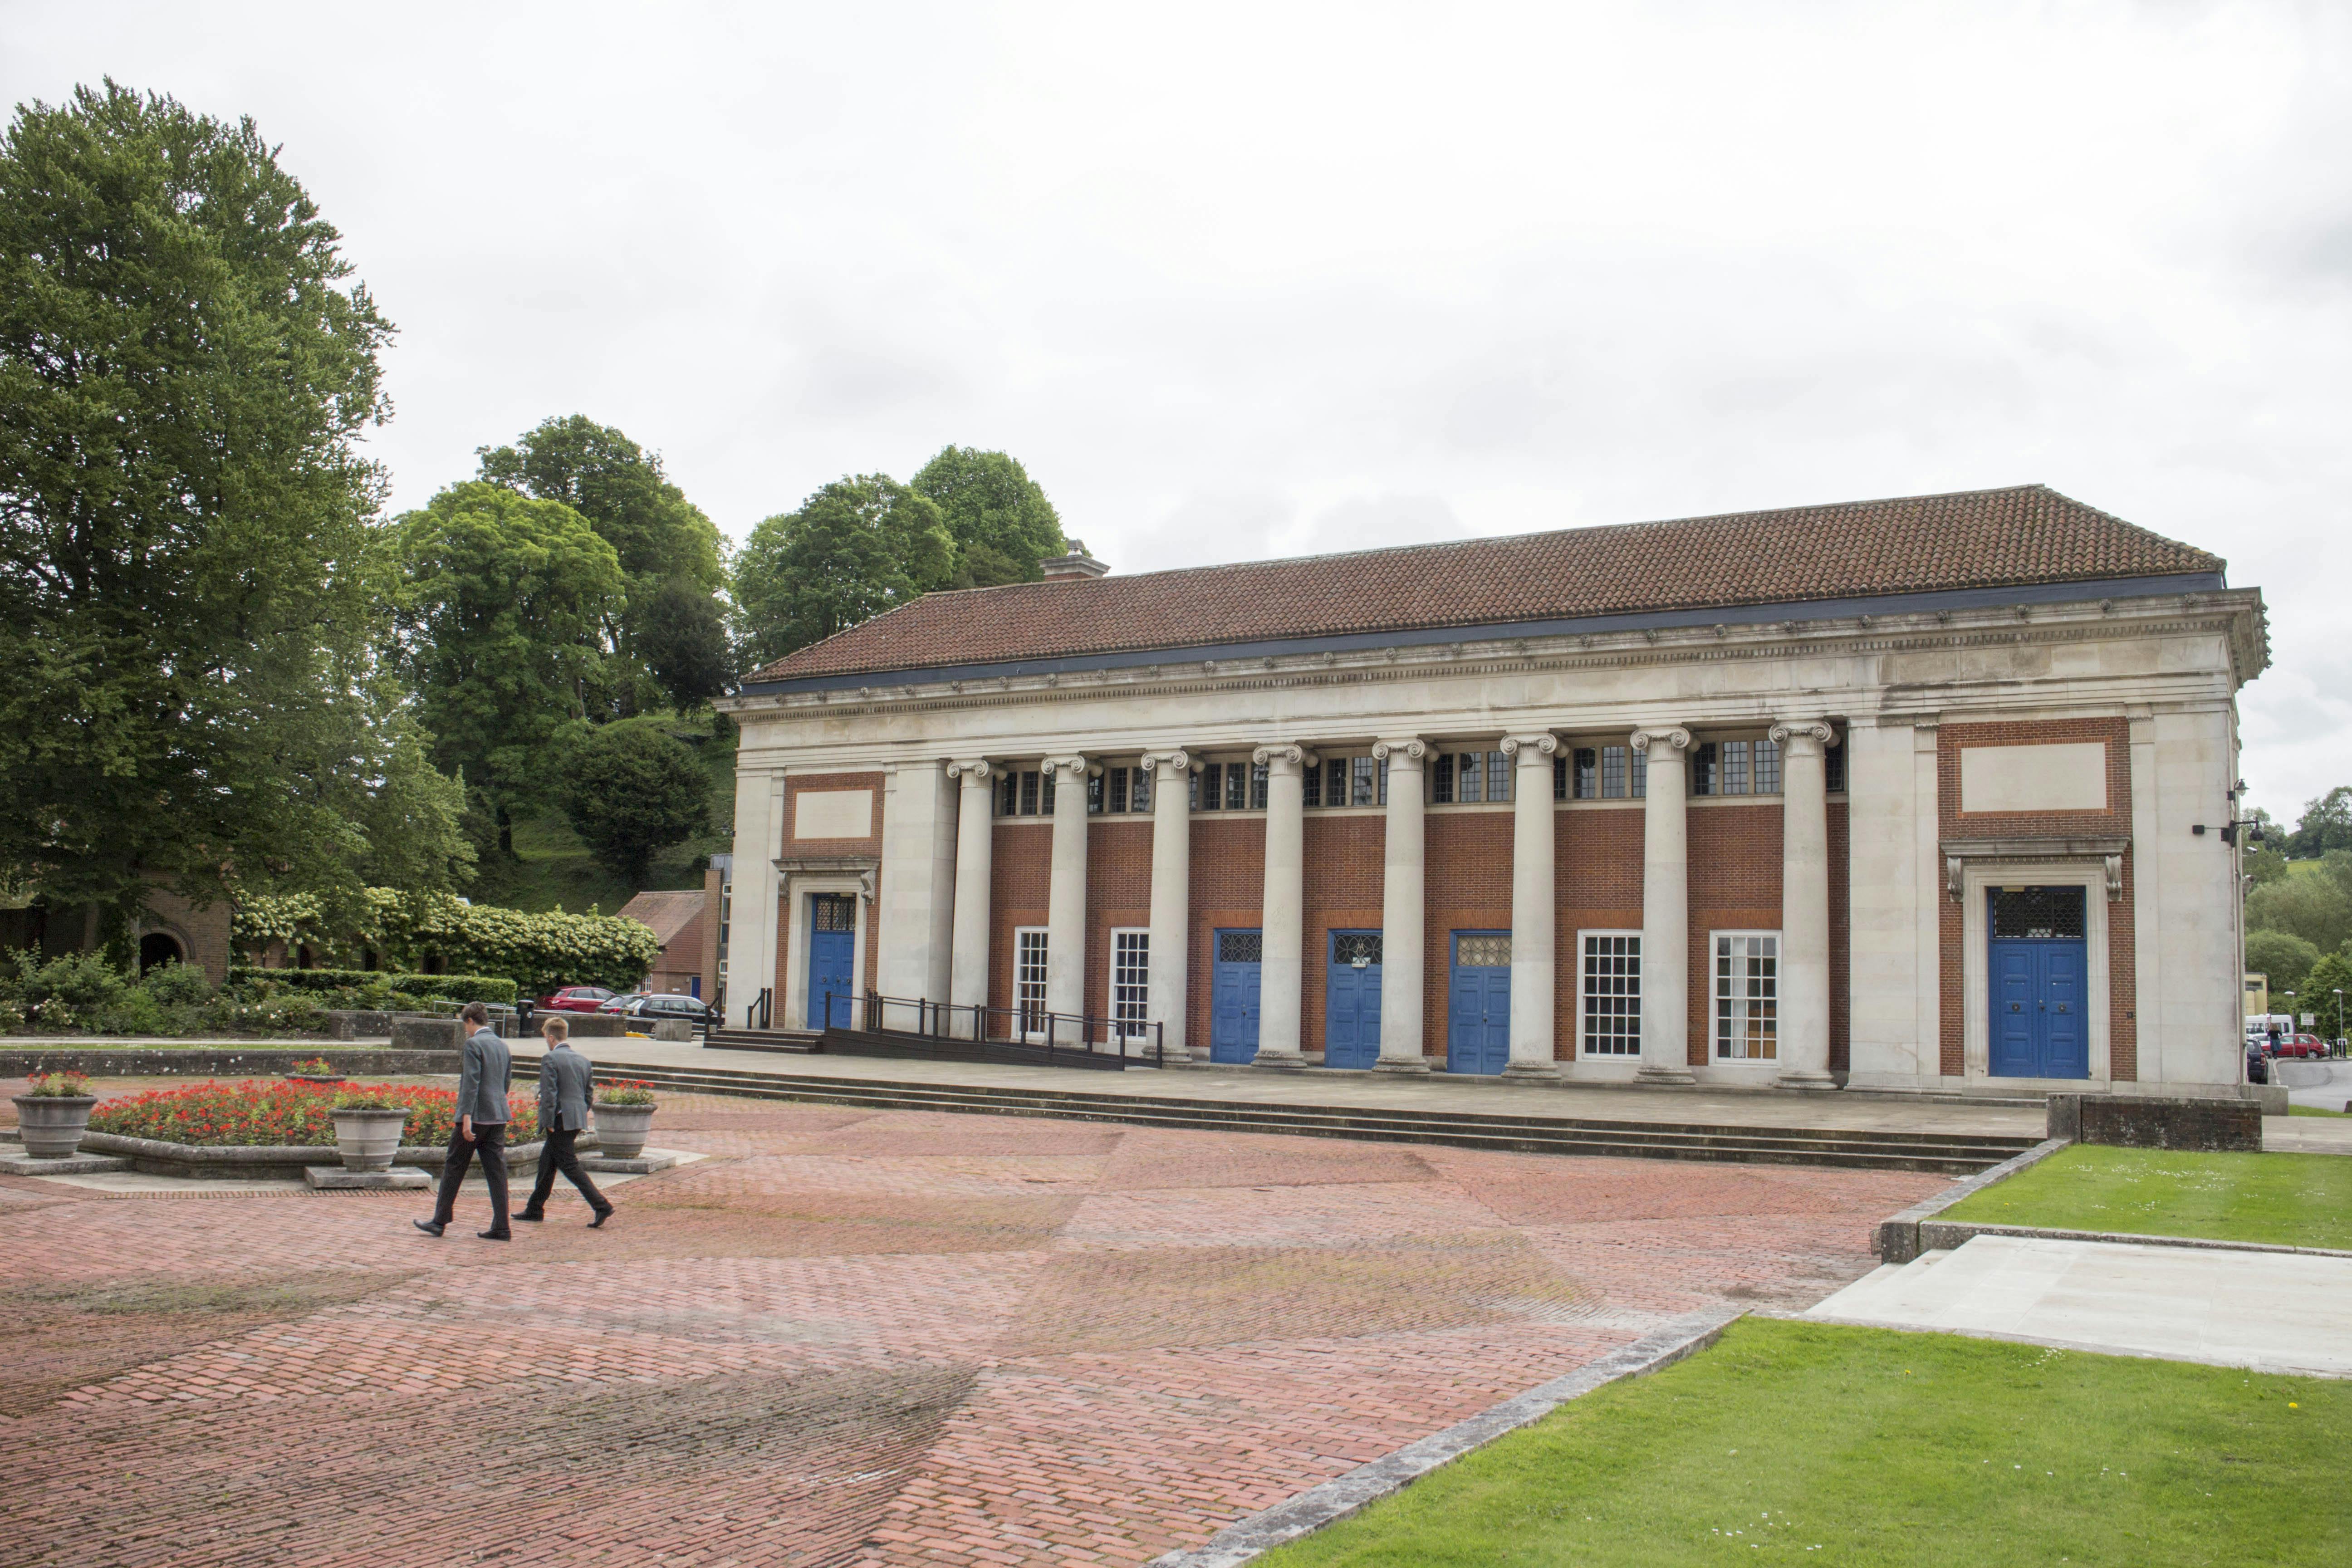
pixel 490 1141
pixel 556 1153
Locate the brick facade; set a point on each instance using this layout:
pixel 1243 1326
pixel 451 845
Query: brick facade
pixel 871 845
pixel 1597 881
pixel 1735 884
pixel 1228 888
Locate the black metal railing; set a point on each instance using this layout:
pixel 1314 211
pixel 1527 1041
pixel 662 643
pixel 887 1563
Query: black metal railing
pixel 1077 1034
pixel 759 1008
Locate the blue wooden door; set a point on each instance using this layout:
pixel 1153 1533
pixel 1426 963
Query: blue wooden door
pixel 1478 1003
pixel 2039 968
pixel 1233 1007
pixel 1351 1000
pixel 832 953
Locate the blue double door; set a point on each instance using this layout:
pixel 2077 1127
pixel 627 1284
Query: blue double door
pixel 1236 956
pixel 2040 1029
pixel 1351 999
pixel 1478 1003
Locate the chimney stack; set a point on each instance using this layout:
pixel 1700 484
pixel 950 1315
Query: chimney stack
pixel 1076 564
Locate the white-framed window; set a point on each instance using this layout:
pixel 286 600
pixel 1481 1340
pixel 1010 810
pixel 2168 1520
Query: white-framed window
pixel 1130 975
pixel 1610 988
pixel 1746 995
pixel 1029 978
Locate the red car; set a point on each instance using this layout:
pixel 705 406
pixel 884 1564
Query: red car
pixel 2301 1045
pixel 576 999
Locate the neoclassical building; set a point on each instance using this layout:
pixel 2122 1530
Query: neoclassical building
pixel 1926 795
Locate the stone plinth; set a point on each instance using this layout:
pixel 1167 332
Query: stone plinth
pixel 2149 1121
pixel 336 1179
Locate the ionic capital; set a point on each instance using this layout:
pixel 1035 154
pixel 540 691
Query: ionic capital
pixel 1176 763
pixel 1677 737
pixel 1074 766
pixel 1408 752
pixel 1802 730
pixel 1297 756
pixel 972 768
pixel 1543 745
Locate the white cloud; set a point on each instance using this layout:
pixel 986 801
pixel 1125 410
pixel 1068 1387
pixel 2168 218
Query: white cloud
pixel 1237 279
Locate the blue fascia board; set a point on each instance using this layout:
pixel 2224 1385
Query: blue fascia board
pixel 1657 620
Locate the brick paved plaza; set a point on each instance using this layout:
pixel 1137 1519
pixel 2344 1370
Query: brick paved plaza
pixel 843 1338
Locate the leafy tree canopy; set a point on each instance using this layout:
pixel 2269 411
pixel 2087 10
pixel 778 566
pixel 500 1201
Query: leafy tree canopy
pixel 186 367
pixel 620 489
pixel 1001 523
pixel 499 599
pixel 2316 995
pixel 2327 825
pixel 859 547
pixel 2314 903
pixel 2281 956
pixel 681 634
pixel 630 791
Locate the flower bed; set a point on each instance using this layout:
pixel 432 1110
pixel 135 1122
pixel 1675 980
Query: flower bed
pixel 244 1115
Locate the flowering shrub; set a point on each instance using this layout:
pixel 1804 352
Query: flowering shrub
pixel 84 993
pixel 317 1066
pixel 58 1085
pixel 625 1094
pixel 270 1114
pixel 538 951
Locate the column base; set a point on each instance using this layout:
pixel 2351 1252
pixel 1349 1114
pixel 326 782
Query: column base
pixel 1531 1073
pixel 1402 1064
pixel 1279 1061
pixel 1665 1077
pixel 1807 1082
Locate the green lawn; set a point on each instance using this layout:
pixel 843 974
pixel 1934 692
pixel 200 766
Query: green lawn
pixel 2297 1200
pixel 2311 1110
pixel 553 867
pixel 1801 1442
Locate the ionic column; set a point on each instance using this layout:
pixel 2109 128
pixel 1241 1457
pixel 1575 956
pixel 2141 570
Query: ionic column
pixel 1665 912
pixel 1282 915
pixel 1167 963
pixel 1533 906
pixel 975 857
pixel 1804 969
pixel 1065 894
pixel 1402 915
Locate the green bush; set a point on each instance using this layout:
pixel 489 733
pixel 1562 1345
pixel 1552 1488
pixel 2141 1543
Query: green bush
pixel 178 986
pixel 374 988
pixel 135 1012
pixel 538 951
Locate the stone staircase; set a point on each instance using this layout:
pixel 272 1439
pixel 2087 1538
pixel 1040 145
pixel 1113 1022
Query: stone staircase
pixel 784 1042
pixel 1950 1153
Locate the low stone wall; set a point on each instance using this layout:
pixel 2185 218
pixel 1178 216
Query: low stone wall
pixel 586 1025
pixel 410 1032
pixel 1899 1239
pixel 346 1024
pixel 203 1061
pixel 269 1163
pixel 2149 1121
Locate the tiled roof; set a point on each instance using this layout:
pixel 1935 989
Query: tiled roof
pixel 667 913
pixel 1916 544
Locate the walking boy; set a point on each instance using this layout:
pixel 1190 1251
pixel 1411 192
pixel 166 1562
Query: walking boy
pixel 563 1088
pixel 484 1072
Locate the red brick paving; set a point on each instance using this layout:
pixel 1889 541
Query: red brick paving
pixel 846 1337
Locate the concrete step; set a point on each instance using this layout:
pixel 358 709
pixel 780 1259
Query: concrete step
pixel 1948 1153
pixel 786 1042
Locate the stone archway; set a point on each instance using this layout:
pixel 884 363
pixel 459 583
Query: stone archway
pixel 158 948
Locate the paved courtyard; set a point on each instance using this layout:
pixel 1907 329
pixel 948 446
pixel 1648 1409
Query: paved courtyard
pixel 844 1337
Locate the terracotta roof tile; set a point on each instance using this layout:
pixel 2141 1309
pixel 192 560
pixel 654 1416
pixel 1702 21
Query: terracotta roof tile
pixel 1979 538
pixel 667 912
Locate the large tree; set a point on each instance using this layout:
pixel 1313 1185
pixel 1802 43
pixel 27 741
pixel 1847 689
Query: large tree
pixel 1001 523
pixel 681 634
pixel 857 548
pixel 630 791
pixel 2327 825
pixel 186 368
pixel 500 601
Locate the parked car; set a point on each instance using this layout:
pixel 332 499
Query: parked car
pixel 620 1003
pixel 576 999
pixel 669 1005
pixel 2303 1043
pixel 2258 1062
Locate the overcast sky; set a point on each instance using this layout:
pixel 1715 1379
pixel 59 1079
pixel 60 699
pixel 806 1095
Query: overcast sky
pixel 1266 280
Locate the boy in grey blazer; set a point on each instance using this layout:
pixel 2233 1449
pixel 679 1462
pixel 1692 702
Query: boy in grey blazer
pixel 564 1086
pixel 485 1071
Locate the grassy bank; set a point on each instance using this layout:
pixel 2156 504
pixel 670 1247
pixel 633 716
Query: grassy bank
pixel 1809 1443
pixel 2294 1200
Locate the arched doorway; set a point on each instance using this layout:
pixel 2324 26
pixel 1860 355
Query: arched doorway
pixel 157 949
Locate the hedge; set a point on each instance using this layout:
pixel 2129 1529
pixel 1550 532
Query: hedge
pixel 444 987
pixel 538 951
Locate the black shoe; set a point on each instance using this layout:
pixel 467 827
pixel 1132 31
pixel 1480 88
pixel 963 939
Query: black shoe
pixel 601 1216
pixel 429 1226
pixel 532 1218
pixel 494 1235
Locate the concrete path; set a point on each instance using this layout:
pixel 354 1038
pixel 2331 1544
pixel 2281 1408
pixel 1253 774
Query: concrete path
pixel 1437 1091
pixel 2269 1311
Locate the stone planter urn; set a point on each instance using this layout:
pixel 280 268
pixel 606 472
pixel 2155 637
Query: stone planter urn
pixel 52 1124
pixel 314 1077
pixel 621 1129
pixel 368 1137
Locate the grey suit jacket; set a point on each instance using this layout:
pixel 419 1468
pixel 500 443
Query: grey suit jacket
pixel 485 1073
pixel 564 1089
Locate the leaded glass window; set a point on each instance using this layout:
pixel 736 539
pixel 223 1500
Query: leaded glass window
pixel 1356 949
pixel 1488 951
pixel 1237 786
pixel 1612 771
pixel 1469 776
pixel 1139 789
pixel 1767 767
pixel 1240 947
pixel 1115 790
pixel 1363 782
pixel 1641 774
pixel 832 912
pixel 1310 786
pixel 1008 796
pixel 1734 758
pixel 1097 788
pixel 1498 776
pixel 1258 775
pixel 1585 780
pixel 1029 794
pixel 2037 912
pixel 1613 996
